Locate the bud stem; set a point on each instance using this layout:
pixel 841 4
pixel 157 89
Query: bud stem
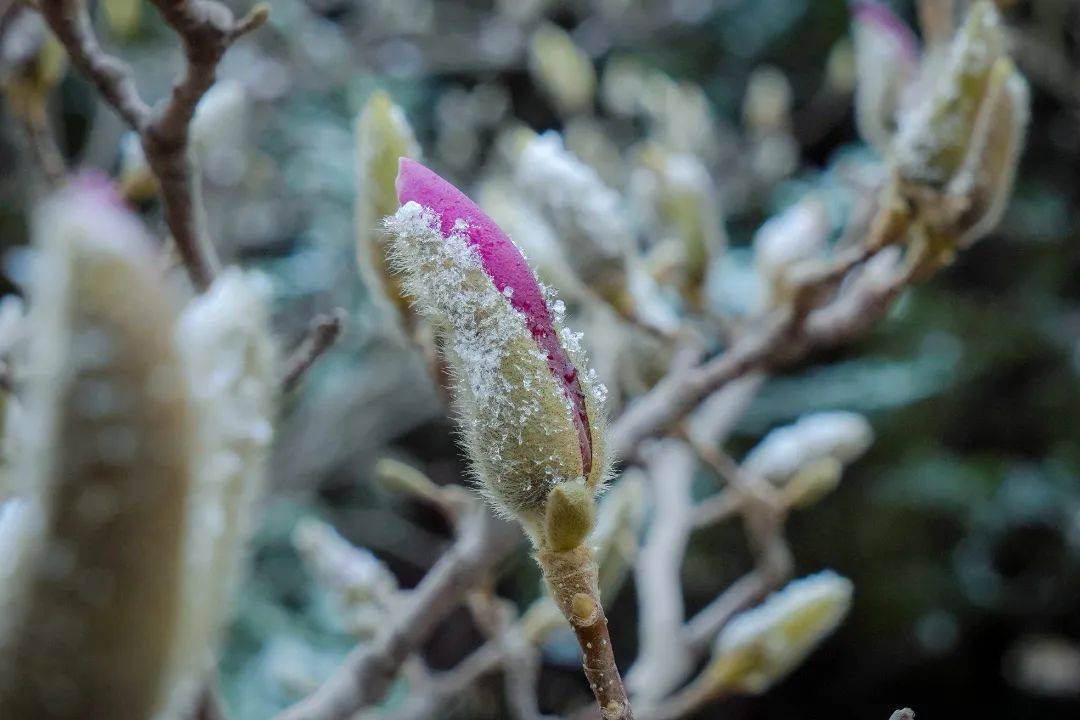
pixel 572 579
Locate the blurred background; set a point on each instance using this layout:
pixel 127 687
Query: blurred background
pixel 960 528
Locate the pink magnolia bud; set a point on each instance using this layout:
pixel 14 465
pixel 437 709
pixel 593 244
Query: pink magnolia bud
pixel 530 415
pixel 886 63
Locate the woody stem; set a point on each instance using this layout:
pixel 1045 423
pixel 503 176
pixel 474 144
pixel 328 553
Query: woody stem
pixel 572 579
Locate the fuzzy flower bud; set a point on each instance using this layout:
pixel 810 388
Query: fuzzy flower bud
pixel 88 614
pixel 570 515
pixel 219 132
pixel 762 645
pixel 787 450
pixel 562 69
pixel 801 232
pixel 382 135
pixel 886 64
pixel 229 358
pixel 531 418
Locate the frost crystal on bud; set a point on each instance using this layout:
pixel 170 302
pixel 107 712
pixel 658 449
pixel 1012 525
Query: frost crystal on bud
pixel 786 450
pixel 530 418
pixel 886 63
pixel 382 135
pixel 229 359
pixel 89 615
pixel 562 69
pixel 762 645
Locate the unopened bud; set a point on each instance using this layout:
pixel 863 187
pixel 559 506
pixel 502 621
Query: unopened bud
pixel 812 482
pixel 570 515
pixel 762 645
pixel 785 451
pixel 886 62
pixel 562 69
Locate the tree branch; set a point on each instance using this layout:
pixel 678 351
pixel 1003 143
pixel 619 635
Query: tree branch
pixel 323 331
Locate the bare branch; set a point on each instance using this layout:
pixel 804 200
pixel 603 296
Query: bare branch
pixel 323 331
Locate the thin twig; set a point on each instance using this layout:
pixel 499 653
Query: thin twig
pixel 323 331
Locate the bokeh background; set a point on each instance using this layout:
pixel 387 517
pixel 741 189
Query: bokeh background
pixel 960 528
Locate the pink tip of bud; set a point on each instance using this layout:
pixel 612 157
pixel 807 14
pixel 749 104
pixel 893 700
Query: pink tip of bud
pixel 880 17
pixel 508 270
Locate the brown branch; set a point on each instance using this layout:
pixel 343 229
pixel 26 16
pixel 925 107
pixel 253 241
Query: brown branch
pixel 367 672
pixel 323 331
pixel 206 29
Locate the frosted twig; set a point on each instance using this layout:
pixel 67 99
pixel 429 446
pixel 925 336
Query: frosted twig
pixel 663 658
pixel 322 332
pixel 206 29
pixel 367 672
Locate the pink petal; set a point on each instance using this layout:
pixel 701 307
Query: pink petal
pixel 886 21
pixel 507 268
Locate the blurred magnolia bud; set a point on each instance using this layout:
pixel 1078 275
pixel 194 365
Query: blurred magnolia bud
pixel 785 451
pixel 801 232
pixel 680 116
pixel 229 357
pixel 768 100
pixel 90 613
pixel 813 482
pixel 622 85
pixel 137 182
pixel 123 16
pixel 382 135
pixel 586 214
pixel 840 70
pixel 360 586
pixel 219 132
pixel 957 149
pixel 32 62
pixel 531 417
pixel 687 208
pixel 562 69
pixel 886 63
pixel 619 521
pixel 759 647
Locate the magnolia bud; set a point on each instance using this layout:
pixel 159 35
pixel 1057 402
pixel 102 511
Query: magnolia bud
pixel 986 178
pixel 685 199
pixel 229 358
pixel 219 132
pixel 562 69
pixel 585 213
pixel 571 514
pixel 801 232
pixel 886 63
pixel 812 482
pixel 89 614
pixel 785 451
pixel 531 419
pixel 123 16
pixel 382 134
pixel 762 645
pixel 934 136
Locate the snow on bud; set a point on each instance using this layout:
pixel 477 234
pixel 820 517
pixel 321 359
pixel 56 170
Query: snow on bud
pixel 562 69
pixel 361 588
pixel 886 64
pixel 585 213
pixel 229 358
pixel 686 205
pixel 762 645
pixel 934 135
pixel 382 134
pixel 986 178
pixel 89 615
pixel 219 132
pixel 801 232
pixel 530 416
pixel 787 450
